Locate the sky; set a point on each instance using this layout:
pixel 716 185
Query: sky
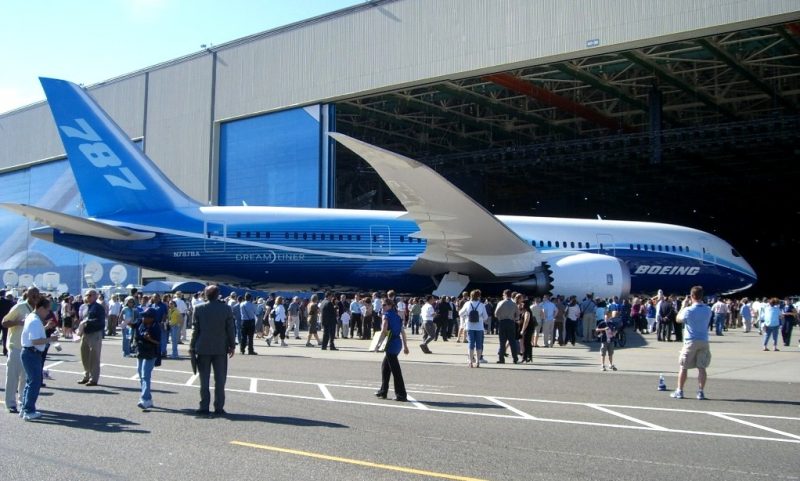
pixel 89 41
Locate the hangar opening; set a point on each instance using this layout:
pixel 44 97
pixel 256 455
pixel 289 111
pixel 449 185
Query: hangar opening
pixel 701 132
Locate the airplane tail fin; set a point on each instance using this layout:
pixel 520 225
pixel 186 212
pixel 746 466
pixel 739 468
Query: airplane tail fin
pixel 113 175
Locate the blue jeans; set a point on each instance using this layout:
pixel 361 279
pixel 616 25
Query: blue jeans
pixel 719 322
pixel 32 362
pixel 771 331
pixel 126 341
pixel 164 334
pixel 175 332
pixel 145 370
pixel 475 339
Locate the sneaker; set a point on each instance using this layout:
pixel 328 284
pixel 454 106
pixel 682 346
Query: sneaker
pixel 13 410
pixel 269 342
pixel 603 368
pixel 677 394
pixel 701 395
pixel 613 367
pixel 308 344
pixel 32 416
pixel 46 375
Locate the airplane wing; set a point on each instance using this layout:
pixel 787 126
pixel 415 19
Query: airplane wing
pixel 457 228
pixel 76 225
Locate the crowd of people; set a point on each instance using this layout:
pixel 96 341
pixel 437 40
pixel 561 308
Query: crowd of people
pixel 148 323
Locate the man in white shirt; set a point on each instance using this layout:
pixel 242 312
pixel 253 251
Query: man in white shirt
pixel 428 327
pixel 114 309
pixel 183 309
pixel 15 373
pixel 549 321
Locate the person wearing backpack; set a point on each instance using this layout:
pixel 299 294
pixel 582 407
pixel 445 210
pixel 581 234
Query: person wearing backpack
pixel 474 315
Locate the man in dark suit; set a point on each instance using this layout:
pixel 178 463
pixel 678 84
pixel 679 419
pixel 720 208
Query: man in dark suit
pixel 212 340
pixel 327 308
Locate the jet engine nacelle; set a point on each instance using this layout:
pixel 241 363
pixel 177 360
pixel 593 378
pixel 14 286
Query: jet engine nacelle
pixel 578 274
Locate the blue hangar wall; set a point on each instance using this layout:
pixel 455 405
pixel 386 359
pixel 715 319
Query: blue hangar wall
pixel 280 159
pixel 277 159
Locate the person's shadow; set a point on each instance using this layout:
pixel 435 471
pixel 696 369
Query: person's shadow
pixel 289 421
pixel 103 424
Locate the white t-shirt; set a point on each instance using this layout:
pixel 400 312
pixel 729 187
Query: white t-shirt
pixel 32 330
pixel 464 315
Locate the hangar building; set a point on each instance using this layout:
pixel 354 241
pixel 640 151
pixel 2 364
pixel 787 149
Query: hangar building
pixel 672 111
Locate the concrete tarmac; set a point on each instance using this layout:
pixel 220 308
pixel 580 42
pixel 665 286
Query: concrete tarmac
pixel 300 413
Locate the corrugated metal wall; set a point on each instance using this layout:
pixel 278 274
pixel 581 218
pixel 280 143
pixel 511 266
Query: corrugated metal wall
pixel 178 136
pixel 370 48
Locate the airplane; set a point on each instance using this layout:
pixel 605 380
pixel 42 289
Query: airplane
pixel 443 243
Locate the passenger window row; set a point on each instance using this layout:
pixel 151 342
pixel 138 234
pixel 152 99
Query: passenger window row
pixel 564 244
pixel 659 248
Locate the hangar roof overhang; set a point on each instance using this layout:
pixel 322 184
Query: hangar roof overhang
pixel 745 80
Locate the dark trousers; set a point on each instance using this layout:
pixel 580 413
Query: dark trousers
pixel 366 327
pixel 527 351
pixel 570 328
pixel 391 367
pixel 5 334
pixel 664 329
pixel 248 332
pixel 558 330
pixel 507 329
pixel 328 335
pixel 280 330
pixel 441 329
pixel 220 364
pixel 355 323
pixel 786 331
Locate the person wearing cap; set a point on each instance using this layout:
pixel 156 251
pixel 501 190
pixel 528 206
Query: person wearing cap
pixel 148 343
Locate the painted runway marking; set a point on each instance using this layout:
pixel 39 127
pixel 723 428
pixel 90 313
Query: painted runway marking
pixel 326 392
pixel 502 401
pixel 357 462
pixel 521 413
pixel 53 364
pixel 416 403
pixel 253 385
pixel 754 425
pixel 629 418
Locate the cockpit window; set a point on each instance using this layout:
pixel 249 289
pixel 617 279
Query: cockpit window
pixel 735 253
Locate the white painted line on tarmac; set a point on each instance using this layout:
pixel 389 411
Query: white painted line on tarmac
pixel 326 392
pixel 629 418
pixel 53 364
pixel 516 416
pixel 253 385
pixel 416 403
pixel 511 408
pixel 135 377
pixel 191 380
pixel 754 425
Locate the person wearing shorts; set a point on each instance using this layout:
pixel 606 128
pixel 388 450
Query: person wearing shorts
pixel 605 331
pixel 696 352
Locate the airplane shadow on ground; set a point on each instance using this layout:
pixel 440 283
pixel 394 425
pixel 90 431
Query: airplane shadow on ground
pixel 103 424
pixel 289 421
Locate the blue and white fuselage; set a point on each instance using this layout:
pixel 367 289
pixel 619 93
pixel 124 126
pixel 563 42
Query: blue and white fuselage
pixel 444 241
